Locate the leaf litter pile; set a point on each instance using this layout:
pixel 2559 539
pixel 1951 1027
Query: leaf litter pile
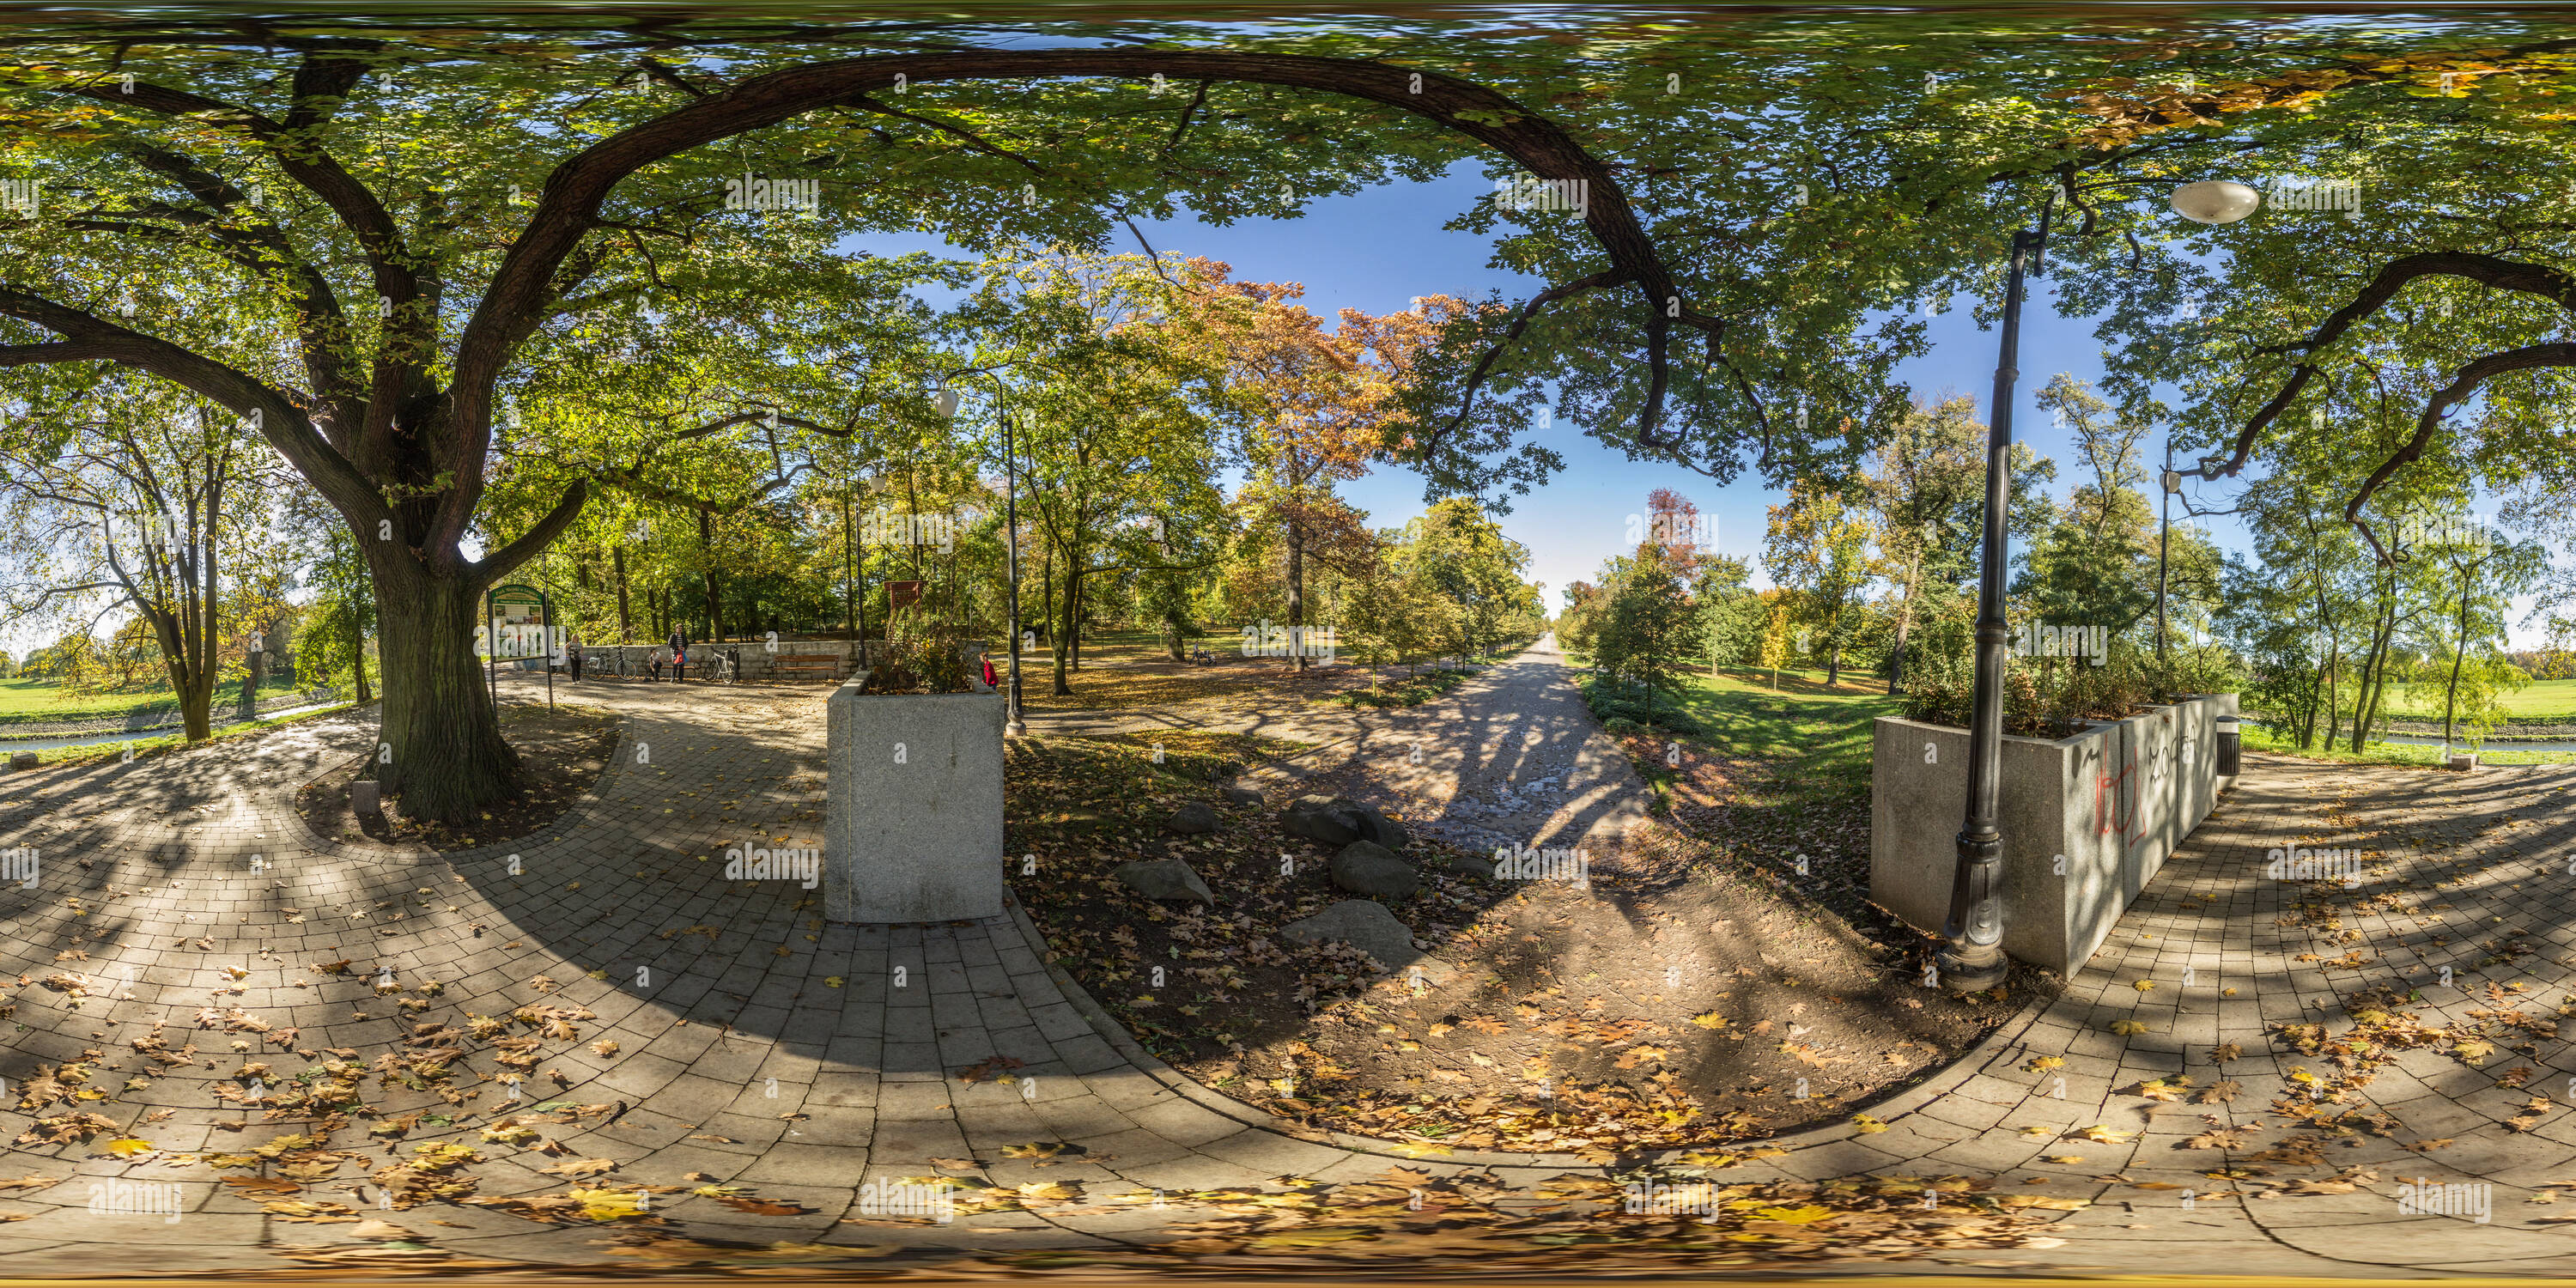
pixel 1412 1221
pixel 331 1137
pixel 1402 1221
pixel 561 753
pixel 366 1160
pixel 1676 1001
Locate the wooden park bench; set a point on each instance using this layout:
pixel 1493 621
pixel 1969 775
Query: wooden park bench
pixel 826 664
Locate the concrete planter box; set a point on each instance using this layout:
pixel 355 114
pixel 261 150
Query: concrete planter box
pixel 915 807
pixel 2114 801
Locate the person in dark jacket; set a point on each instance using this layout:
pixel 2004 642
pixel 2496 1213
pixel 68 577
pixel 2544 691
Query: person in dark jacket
pixel 679 654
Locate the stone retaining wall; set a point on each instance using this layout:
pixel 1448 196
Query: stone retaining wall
pixel 759 664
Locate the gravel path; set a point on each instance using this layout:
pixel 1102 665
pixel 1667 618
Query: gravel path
pixel 1511 757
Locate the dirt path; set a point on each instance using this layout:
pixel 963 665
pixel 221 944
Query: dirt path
pixel 1511 757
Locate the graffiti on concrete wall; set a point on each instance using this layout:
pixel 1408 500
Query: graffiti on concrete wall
pixel 2145 765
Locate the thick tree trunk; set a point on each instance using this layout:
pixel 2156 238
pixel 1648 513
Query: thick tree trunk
pixel 197 712
pixel 193 682
pixel 625 616
pixel 440 749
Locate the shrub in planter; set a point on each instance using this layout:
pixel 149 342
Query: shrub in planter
pixel 2052 697
pixel 921 657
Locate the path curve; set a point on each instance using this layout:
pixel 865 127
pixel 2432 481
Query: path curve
pixel 157 855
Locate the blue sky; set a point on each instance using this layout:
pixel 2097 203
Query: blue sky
pixel 1379 249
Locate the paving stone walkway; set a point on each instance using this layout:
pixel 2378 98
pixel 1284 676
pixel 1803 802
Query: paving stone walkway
pixel 756 1045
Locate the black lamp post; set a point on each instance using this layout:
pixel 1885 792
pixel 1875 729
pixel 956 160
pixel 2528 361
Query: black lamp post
pixel 1973 958
pixel 1011 527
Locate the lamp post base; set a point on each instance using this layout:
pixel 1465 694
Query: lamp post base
pixel 1971 968
pixel 1017 727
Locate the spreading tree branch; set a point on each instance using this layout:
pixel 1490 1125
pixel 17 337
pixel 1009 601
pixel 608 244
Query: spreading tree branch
pixel 2464 382
pixel 576 191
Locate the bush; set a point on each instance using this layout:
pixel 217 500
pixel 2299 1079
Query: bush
pixel 1624 712
pixel 2053 697
pixel 921 657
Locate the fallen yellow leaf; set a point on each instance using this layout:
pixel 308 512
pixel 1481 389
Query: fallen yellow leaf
pixel 1807 1214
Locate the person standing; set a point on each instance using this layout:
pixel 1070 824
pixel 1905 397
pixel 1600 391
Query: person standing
pixel 679 654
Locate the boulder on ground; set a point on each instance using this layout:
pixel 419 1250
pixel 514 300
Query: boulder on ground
pixel 1164 879
pixel 1470 865
pixel 1194 817
pixel 1338 820
pixel 1365 924
pixel 1241 796
pixel 22 760
pixel 1374 825
pixel 1366 867
pixel 1317 819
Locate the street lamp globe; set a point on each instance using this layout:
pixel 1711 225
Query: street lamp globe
pixel 2215 201
pixel 948 403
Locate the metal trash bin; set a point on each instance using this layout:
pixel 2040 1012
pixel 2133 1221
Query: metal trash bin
pixel 2231 747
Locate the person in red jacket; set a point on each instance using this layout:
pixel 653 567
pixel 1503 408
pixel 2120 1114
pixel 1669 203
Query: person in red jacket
pixel 989 681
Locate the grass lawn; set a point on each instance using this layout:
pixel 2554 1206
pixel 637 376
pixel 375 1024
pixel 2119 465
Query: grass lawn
pixel 1819 736
pixel 1131 671
pixel 144 746
pixel 2538 698
pixel 38 700
pixel 1397 689
pixel 2397 753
